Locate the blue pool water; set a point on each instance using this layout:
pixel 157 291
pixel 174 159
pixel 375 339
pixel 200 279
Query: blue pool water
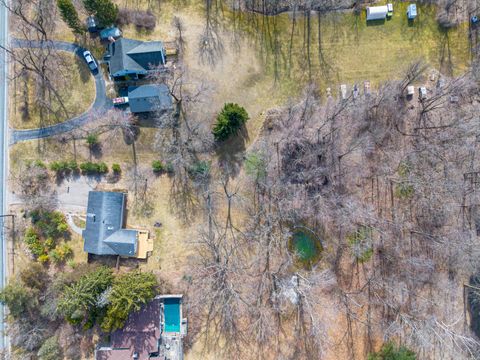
pixel 172 314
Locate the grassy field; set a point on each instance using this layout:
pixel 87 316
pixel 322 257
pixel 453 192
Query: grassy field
pixel 344 48
pixel 77 87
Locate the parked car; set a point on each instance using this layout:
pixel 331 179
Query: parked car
pixel 92 64
pixel 410 91
pixel 422 92
pixel 119 101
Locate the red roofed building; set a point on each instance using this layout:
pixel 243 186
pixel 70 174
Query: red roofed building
pixel 144 335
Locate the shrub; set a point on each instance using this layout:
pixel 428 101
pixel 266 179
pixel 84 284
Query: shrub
pixel 92 140
pixel 255 166
pixel 169 168
pixel 64 167
pixel 361 243
pixel 33 242
pixel 157 166
pixel 42 259
pixel 17 298
pixel 200 169
pixel 61 253
pixel 229 121
pixel 34 276
pixel 50 350
pixel 391 352
pixel 40 164
pixel 91 168
pixel 141 19
pixel 116 168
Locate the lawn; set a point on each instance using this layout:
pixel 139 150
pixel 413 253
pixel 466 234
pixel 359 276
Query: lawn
pixel 77 87
pixel 352 50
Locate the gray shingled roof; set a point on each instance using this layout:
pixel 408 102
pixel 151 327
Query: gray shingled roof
pixel 147 98
pixel 104 233
pixel 134 55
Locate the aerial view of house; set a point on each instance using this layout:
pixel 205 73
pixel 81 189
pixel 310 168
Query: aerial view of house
pixel 105 234
pixel 134 59
pixel 297 178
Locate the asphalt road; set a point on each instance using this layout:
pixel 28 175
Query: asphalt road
pixel 3 161
pixel 100 106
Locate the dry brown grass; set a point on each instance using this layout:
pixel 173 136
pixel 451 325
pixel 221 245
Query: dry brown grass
pixel 78 93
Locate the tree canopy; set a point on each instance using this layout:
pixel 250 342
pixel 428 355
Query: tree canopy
pixel 70 16
pixel 229 121
pixel 81 300
pixel 129 292
pixel 105 11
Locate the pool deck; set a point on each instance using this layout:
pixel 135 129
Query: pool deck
pixel 172 326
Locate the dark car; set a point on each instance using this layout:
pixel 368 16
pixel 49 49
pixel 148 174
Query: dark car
pixel 92 64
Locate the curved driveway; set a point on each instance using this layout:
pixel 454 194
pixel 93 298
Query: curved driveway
pixel 100 106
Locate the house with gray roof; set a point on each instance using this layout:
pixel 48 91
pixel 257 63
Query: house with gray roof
pixel 104 233
pixel 148 98
pixel 130 59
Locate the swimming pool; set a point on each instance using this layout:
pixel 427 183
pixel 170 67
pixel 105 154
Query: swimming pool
pixel 171 312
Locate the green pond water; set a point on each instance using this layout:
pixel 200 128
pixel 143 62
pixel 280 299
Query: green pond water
pixel 306 246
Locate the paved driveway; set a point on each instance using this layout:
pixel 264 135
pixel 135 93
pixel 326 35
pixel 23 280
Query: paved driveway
pixel 100 106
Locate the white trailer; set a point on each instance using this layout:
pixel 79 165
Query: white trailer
pixel 377 12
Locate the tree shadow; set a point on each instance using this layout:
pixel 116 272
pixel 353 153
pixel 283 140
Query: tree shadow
pixel 231 151
pixel 96 151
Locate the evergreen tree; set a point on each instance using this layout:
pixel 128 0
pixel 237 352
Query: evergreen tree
pixel 229 121
pixel 70 16
pixel 105 11
pixel 129 292
pixel 82 300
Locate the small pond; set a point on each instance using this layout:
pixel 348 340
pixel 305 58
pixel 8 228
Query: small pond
pixel 307 246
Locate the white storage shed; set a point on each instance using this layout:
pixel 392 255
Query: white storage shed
pixel 377 12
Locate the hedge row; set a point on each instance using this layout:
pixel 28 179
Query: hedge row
pixel 88 168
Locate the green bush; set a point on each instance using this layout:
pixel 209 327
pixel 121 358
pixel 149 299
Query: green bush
pixel 169 168
pixel 92 140
pixel 229 121
pixel 116 168
pixel 157 166
pixel 70 16
pixel 404 189
pixel 200 169
pixel 255 166
pixel 90 168
pixel 43 259
pixel 64 167
pixel 61 253
pixel 33 242
pixel 18 299
pixel 361 243
pixel 50 350
pixel 40 164
pixel 391 352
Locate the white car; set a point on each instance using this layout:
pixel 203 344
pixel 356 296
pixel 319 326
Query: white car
pixel 92 64
pixel 422 92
